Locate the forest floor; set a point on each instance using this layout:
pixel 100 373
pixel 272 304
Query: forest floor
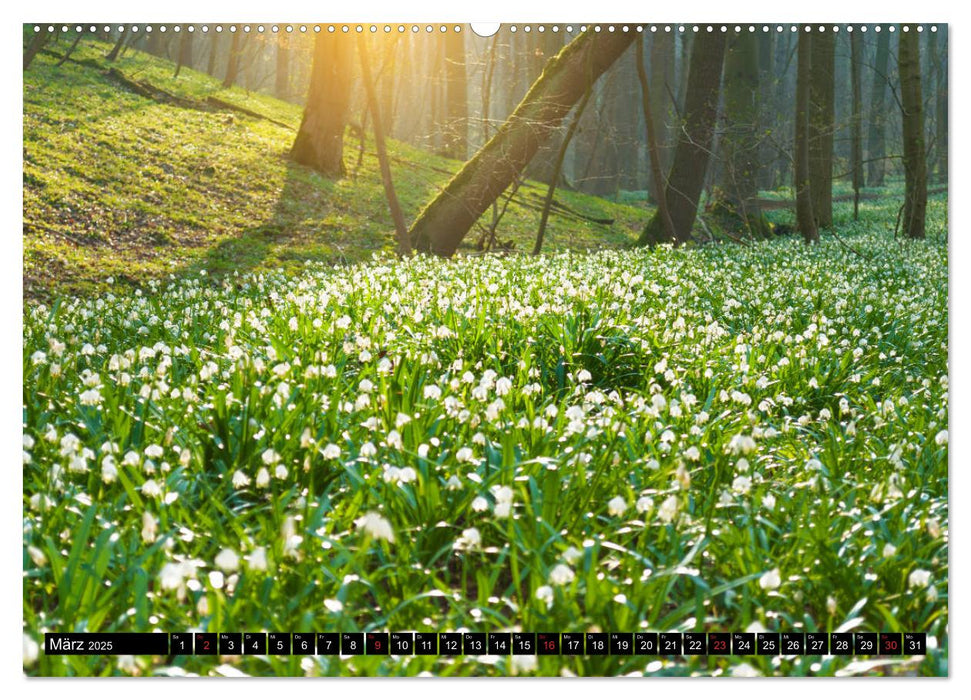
pixel 127 188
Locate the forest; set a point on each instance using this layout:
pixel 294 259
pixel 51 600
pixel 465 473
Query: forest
pixel 569 327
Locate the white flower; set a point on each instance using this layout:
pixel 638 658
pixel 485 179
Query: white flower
pixel 616 506
pixel 170 577
pixel 545 594
pixel 889 550
pixel 668 509
pixel 332 451
pixel 333 605
pixel 919 578
pixel 375 526
pixel 742 444
pixel 368 449
pixel 262 478
pixel 479 504
pixel 503 385
pixel 227 560
pixel 742 484
pixel 149 527
pixel 465 454
pixel 768 501
pixel 644 504
pixel 770 580
pixel 216 579
pixel 470 539
pixel 432 392
pixel 561 575
pixel 941 438
pixel 154 451
pixel 280 472
pixel 503 509
pixel 37 556
pixel 109 472
pixel 692 453
pixel 270 457
pixel 934 528
pixel 240 480
pixel 831 605
pixel 572 555
pixel 256 560
pixel 151 488
pixel 31 650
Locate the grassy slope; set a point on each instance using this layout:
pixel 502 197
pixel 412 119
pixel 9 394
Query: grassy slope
pixel 119 186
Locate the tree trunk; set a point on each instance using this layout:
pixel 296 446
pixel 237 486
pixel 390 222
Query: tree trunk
pixel 33 48
pixel 544 163
pixel 821 125
pixel 283 66
pixel 404 242
pixel 802 182
pixel 653 153
pixel 185 52
pixel 232 63
pixel 320 140
pixel 687 176
pixel 213 53
pixel 456 139
pixel 662 109
pixel 939 57
pixel 876 143
pixel 856 155
pixel 442 225
pixel 767 116
pixel 915 165
pixel 70 50
pixel 740 137
pixel 116 49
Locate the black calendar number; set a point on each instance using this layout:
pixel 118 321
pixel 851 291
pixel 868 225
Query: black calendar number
pixel 426 643
pixel 352 643
pixel 915 643
pixel 670 643
pixel 621 643
pixel 254 643
pixel 523 643
pixel 793 643
pixel 865 643
pixel 376 643
pixel 402 643
pixel 180 643
pixel 547 643
pixel 499 643
pixel 695 644
pixel 278 643
pixel 719 643
pixel 817 643
pixel 841 644
pixel 328 643
pixel 230 643
pixel 304 643
pixel 767 643
pixel 205 643
pixel 598 644
pixel 571 643
pixel 743 643
pixel 474 643
pixel 450 644
pixel 645 643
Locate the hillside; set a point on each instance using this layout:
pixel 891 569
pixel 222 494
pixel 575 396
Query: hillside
pixel 122 187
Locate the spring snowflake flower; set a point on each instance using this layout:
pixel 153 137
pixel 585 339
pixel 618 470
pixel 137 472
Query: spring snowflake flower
pixel 332 451
pixel 561 575
pixel 742 444
pixel 151 489
pixel 335 606
pixel 617 506
pixel 692 453
pixel 240 480
pixel 453 483
pixel 479 504
pixel 91 397
pixel 270 457
pixel 644 504
pixel 934 528
pixel 256 560
pixel 545 594
pixel 919 578
pixel 280 472
pixel 668 510
pixel 768 502
pixel 465 454
pixel 889 550
pixel 470 539
pixel 227 560
pixel 31 650
pixel 37 556
pixel 432 392
pixel 171 575
pixel 376 526
pixel 572 555
pixel 262 478
pixel 770 580
pixel 742 484
pixel 149 527
pixel 941 438
pixel 503 386
pixel 154 451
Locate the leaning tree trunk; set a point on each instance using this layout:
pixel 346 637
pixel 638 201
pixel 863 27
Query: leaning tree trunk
pixel 320 140
pixel 687 177
pixel 116 49
pixel 821 124
pixel 876 141
pixel 802 184
pixel 456 139
pixel 856 148
pixel 915 166
pixel 232 63
pixel 36 44
pixel 444 222
pixel 740 138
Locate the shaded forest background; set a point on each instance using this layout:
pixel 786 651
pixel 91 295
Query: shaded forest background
pixel 442 95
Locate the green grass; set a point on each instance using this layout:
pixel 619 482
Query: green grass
pixel 722 438
pixel 120 187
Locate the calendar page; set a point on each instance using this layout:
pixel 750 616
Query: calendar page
pixel 515 349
